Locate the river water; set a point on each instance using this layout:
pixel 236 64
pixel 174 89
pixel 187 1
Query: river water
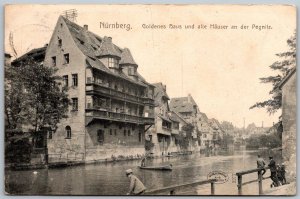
pixel 110 178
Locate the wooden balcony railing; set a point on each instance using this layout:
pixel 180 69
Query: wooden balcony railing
pixel 119 116
pixel 91 86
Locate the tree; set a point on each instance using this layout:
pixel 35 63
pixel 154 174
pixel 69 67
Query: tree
pixel 34 97
pixel 185 136
pixel 283 67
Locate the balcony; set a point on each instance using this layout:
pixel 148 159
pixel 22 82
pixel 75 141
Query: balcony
pixel 121 117
pixel 103 89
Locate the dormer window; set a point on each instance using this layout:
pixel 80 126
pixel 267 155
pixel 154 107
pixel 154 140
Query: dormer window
pixel 132 70
pixel 113 62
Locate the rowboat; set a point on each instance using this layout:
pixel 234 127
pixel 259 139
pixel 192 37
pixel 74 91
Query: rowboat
pixel 163 168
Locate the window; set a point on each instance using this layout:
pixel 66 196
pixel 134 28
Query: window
pixel 140 137
pixel 68 132
pixel 100 136
pixel 110 131
pixel 65 81
pixel 124 132
pixel 53 61
pixel 128 132
pixel 74 104
pixel 112 62
pixel 74 80
pixel 115 132
pixel 59 42
pixel 131 70
pixel 66 58
pixel 49 135
pixel 150 138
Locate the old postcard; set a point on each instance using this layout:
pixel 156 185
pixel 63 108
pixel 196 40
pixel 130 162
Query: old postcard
pixel 150 99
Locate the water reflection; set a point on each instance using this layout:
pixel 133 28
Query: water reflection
pixel 110 179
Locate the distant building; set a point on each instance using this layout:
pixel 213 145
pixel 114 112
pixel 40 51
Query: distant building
pixel 112 104
pixel 206 138
pixel 37 54
pixel 289 120
pixel 187 108
pixel 160 133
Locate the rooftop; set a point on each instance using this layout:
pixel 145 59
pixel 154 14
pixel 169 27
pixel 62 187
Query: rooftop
pixel 182 104
pixel 94 46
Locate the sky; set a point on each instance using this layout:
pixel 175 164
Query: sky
pixel 220 68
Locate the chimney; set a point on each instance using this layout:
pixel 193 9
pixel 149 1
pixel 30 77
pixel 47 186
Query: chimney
pixel 86 27
pixel 189 98
pixel 109 39
pixel 165 88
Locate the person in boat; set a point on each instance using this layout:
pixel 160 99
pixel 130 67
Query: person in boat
pixel 261 164
pixel 143 162
pixel 273 170
pixel 136 187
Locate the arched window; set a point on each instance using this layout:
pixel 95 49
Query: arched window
pixel 69 132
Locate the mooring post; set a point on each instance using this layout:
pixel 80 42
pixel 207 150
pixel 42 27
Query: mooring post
pixel 260 191
pixel 239 184
pixel 212 188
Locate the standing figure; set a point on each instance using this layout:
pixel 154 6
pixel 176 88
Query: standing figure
pixel 143 162
pixel 261 164
pixel 273 170
pixel 136 186
pixel 282 174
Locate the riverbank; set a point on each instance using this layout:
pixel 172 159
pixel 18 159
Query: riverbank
pixel 60 164
pixel 288 189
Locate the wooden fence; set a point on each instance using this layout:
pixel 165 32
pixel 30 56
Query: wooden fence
pixel 259 179
pixel 171 189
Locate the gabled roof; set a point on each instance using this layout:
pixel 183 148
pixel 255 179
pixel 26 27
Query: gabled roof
pixel 159 92
pixel 182 104
pixel 37 54
pixel 92 46
pixel 126 58
pixel 173 117
pixel 286 78
pixel 174 114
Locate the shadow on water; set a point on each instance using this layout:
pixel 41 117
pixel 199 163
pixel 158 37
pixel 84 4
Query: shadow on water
pixel 110 179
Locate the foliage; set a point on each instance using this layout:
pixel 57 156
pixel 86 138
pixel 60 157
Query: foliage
pixel 227 126
pixel 148 145
pixel 283 67
pixel 33 97
pixel 185 136
pixel 271 140
pixel 227 139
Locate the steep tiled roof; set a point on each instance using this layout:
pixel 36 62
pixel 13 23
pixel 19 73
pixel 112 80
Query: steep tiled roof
pixel 173 116
pixel 126 57
pixel 178 117
pixel 92 46
pixel 107 48
pixel 159 92
pixel 182 104
pixel 36 53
